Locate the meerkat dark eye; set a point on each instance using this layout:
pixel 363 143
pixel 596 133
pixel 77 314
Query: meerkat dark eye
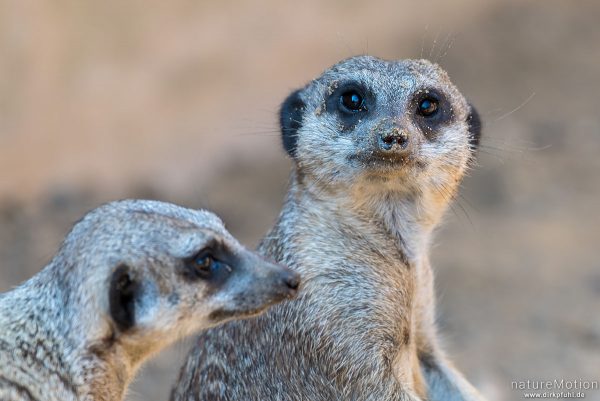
pixel 206 267
pixel 352 101
pixel 428 107
pixel 432 111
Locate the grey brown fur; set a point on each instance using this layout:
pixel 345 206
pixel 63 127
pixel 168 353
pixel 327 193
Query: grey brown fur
pixel 367 190
pixel 130 278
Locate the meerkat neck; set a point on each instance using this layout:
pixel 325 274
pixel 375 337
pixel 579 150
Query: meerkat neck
pixel 410 215
pixel 53 334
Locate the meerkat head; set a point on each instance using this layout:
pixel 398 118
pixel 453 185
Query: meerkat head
pixel 399 125
pixel 145 273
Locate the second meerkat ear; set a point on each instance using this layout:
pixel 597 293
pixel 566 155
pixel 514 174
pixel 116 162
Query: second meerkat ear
pixel 474 123
pixel 121 296
pixel 290 118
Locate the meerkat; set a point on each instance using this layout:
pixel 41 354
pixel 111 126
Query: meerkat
pixel 130 278
pixel 378 149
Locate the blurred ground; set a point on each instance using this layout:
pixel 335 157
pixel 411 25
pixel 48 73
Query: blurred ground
pixel 177 101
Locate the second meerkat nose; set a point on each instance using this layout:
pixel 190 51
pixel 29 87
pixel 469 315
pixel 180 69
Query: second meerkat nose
pixel 393 139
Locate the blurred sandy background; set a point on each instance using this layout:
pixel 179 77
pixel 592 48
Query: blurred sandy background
pixel 177 101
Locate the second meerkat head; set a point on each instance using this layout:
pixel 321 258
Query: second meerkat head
pixel 371 120
pixel 143 274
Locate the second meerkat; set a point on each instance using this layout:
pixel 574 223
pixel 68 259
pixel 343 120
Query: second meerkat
pixel 379 149
pixel 130 278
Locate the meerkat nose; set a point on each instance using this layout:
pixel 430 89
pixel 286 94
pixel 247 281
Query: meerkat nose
pixel 394 139
pixel 291 280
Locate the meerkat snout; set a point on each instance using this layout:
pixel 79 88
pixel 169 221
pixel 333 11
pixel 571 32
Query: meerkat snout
pixel 393 139
pixel 130 278
pixel 259 284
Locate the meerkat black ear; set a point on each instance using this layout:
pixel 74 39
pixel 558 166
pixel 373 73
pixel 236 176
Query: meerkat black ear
pixel 290 118
pixel 474 123
pixel 122 293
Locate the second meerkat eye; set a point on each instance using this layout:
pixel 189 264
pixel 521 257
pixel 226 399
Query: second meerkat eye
pixel 352 101
pixel 206 266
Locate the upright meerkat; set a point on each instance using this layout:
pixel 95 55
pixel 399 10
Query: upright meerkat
pixel 130 278
pixel 379 149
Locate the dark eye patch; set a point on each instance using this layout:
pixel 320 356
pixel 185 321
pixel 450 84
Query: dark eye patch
pixel 212 264
pixel 350 102
pixel 431 111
